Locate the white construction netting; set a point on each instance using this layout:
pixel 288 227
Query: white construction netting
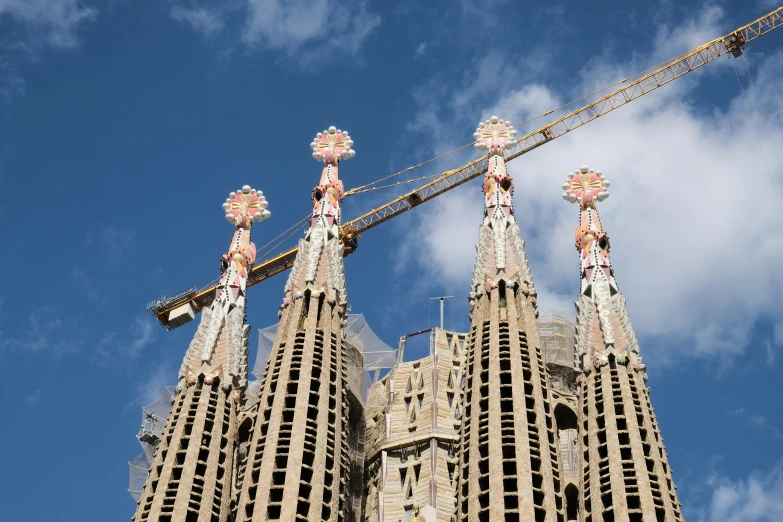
pixel 153 421
pixel 557 333
pixel 369 355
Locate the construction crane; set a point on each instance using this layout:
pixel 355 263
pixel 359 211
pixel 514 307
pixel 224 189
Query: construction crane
pixel 180 309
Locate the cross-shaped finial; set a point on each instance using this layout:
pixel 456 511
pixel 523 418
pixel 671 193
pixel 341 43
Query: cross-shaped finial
pixel 332 145
pixel 585 186
pixel 494 135
pixel 245 206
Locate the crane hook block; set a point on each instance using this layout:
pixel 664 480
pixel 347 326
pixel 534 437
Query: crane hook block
pixel 350 245
pixel 735 44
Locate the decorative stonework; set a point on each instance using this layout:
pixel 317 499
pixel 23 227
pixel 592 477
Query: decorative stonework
pixel 299 462
pixel 625 473
pixel 319 263
pixel 192 471
pixel 219 347
pixel 500 253
pixel 508 461
pixel 586 187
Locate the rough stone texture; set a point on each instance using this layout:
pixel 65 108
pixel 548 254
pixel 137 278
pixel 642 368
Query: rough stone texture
pixel 626 475
pixel 626 471
pixel 298 463
pixel 413 417
pixel 509 462
pixel 190 476
pixel 509 467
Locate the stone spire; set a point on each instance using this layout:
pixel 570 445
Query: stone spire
pixel 219 348
pixel 508 467
pixel 626 472
pixel 297 463
pixel 190 477
pixel 500 252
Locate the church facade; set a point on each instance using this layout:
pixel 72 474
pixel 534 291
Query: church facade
pixel 526 417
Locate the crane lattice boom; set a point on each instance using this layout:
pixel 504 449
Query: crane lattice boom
pixel 731 43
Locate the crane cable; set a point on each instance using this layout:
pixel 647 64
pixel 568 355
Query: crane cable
pixel 758 139
pixel 368 187
pixel 292 230
pixel 758 106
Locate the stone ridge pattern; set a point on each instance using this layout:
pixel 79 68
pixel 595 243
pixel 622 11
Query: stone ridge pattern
pixel 296 466
pixel 488 427
pixel 190 477
pixel 508 455
pixel 413 417
pixel 626 475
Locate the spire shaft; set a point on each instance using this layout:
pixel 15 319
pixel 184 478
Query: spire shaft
pixel 626 472
pixel 508 461
pixel 297 462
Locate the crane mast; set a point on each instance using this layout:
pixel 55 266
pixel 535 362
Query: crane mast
pixel 178 310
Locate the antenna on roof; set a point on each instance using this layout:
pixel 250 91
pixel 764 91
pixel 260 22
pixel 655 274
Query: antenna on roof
pixel 442 299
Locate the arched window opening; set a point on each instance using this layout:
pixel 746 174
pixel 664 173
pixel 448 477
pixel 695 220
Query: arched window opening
pixel 572 503
pixel 565 417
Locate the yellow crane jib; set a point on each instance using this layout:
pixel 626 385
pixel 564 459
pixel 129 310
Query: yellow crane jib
pixel 180 309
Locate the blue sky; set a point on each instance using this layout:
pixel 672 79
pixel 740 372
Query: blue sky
pixel 132 120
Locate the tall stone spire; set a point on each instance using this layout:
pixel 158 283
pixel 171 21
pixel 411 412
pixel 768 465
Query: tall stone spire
pixel 297 463
pixel 190 478
pixel 626 472
pixel 508 457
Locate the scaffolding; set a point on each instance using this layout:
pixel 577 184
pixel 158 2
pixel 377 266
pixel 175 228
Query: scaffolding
pixel 366 354
pixel 557 333
pixel 153 422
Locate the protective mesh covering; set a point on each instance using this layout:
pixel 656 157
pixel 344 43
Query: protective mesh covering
pixel 153 421
pixel 139 469
pixel 558 335
pixel 373 354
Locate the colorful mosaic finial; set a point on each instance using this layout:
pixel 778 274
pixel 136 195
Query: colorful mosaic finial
pixel 318 264
pixel 245 206
pixel 585 186
pixel 332 145
pixel 494 135
pixel 500 250
pixel 219 348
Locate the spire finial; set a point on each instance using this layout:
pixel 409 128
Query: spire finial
pixel 332 145
pixel 585 186
pixel 245 206
pixel 494 135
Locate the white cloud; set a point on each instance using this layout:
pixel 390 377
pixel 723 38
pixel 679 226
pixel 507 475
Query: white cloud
pixel 333 30
pixel 695 227
pixel 757 498
pixel 421 49
pixel 206 21
pixel 314 33
pixel 115 240
pixel 112 347
pixel 46 332
pixel 55 22
pixel 28 26
pixel 33 398
pixel 150 387
pixel 11 84
pixel 88 285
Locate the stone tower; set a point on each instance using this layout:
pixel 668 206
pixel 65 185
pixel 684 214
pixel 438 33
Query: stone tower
pixel 296 465
pixel 508 457
pixel 413 418
pixel 626 475
pixel 190 478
